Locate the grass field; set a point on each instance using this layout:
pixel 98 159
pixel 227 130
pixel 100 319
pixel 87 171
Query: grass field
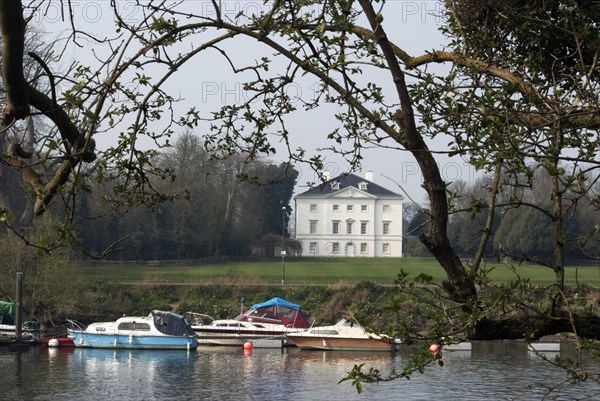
pixel 339 267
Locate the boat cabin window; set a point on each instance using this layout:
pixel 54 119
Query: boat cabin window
pixel 266 313
pixel 287 312
pixel 133 326
pixel 100 328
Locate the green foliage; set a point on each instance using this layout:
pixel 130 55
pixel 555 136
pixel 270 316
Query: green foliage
pixel 524 232
pixel 546 54
pixel 210 207
pixel 541 36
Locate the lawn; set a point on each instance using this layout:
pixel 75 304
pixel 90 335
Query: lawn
pixel 341 267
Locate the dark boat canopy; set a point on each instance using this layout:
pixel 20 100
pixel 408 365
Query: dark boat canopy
pixel 172 324
pixel 8 312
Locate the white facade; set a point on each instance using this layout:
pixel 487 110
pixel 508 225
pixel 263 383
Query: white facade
pixel 349 216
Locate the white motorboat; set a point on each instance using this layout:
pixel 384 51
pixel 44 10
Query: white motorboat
pixel 158 330
pixel 342 336
pixel 267 322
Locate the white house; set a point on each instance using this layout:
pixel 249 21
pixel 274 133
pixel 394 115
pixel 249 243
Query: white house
pixel 349 216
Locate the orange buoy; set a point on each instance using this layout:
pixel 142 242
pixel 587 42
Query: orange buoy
pixel 247 348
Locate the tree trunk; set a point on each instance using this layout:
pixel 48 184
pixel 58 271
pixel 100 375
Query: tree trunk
pixel 12 26
pixel 459 285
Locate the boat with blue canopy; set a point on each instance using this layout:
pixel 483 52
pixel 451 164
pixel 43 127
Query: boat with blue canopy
pixel 265 323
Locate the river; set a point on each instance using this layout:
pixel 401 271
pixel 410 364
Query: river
pixel 491 371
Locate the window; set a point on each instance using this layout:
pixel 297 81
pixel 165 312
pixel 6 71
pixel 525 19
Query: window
pixel 349 227
pixel 349 208
pixel 364 208
pixel 336 227
pixel 386 208
pixel 335 248
pixel 286 312
pixel 363 247
pixel 313 226
pixel 386 227
pixel 313 247
pixel 313 208
pixel 336 208
pixel 133 326
pixel 363 227
pixel 386 247
pixel 363 186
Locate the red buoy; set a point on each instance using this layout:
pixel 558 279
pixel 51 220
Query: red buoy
pixel 434 349
pixel 247 348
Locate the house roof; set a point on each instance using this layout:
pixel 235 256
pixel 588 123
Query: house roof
pixel 345 181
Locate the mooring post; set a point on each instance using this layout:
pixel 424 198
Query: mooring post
pixel 19 311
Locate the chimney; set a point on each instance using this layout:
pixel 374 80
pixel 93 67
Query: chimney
pixel 369 176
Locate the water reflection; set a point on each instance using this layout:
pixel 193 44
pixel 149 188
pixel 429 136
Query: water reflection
pixel 495 371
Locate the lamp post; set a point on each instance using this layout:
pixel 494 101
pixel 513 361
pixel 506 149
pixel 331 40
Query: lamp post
pixel 282 245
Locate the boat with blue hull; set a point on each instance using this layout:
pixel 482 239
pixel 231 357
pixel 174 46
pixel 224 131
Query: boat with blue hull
pixel 158 330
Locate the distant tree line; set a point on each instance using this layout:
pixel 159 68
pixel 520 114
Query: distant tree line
pixel 522 228
pixel 215 206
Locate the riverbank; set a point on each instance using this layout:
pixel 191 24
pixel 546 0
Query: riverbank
pixel 383 308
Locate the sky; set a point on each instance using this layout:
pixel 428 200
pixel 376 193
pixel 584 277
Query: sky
pixel 208 84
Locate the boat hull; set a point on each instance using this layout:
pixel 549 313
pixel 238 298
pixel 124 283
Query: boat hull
pixel 239 341
pixel 258 342
pixel 208 335
pixel 340 343
pixel 8 333
pixel 82 339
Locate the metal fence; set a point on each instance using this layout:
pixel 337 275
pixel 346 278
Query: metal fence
pixel 133 278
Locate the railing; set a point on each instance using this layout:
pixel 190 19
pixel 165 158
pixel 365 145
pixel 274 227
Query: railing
pixel 132 278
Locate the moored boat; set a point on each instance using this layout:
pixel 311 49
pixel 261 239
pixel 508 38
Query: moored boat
pixel 30 330
pixel 343 336
pixel 267 321
pixel 158 330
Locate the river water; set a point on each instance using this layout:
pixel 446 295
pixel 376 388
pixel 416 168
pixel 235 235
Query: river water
pixel 491 371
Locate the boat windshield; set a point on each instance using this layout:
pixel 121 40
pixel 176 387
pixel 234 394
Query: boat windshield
pixel 345 323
